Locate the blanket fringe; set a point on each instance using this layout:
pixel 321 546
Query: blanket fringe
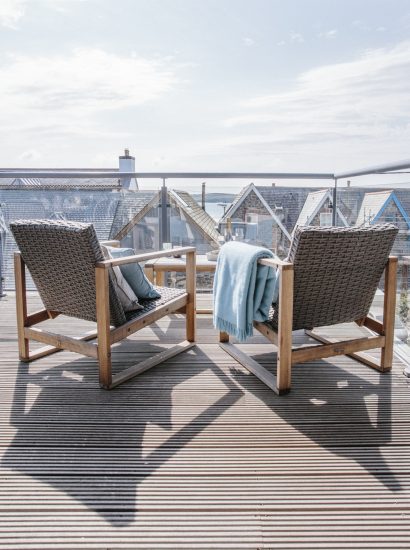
pixel 240 334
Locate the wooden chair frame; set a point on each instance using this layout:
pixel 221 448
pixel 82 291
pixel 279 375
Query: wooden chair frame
pixel 286 356
pixel 105 335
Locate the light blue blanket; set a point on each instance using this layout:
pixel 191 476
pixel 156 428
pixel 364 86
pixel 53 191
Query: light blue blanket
pixel 243 289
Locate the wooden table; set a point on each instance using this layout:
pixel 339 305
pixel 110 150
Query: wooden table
pixel 156 269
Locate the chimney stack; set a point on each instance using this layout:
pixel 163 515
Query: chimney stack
pixel 127 164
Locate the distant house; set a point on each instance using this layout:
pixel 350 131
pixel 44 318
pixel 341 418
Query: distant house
pixel 385 206
pixel 318 210
pixel 265 215
pixel 281 209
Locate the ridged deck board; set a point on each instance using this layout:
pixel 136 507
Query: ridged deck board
pixel 197 453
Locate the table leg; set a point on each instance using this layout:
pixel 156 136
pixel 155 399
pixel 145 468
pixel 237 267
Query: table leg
pixel 160 278
pixel 149 272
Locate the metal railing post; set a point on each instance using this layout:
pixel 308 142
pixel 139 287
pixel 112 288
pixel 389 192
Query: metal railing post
pixel 334 210
pixel 164 218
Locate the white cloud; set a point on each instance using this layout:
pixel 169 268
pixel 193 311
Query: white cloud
pixel 66 105
pixel 361 25
pixel 351 98
pixel 296 37
pixel 30 154
pixel 86 80
pixel 361 105
pixel 11 11
pixel 60 6
pixel 248 41
pixel 328 34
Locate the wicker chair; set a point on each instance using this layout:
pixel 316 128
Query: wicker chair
pixel 330 277
pixel 67 265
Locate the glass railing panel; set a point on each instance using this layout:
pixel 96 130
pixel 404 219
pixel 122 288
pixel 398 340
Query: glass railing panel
pixel 111 209
pixel 144 236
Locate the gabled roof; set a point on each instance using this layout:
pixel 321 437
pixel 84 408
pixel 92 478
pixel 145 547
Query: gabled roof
pixel 313 203
pixel 374 204
pixel 134 205
pixel 242 196
pixel 349 200
pixel 131 208
pixel 236 202
pixel 403 195
pixel 371 205
pixel 193 210
pixel 27 182
pixel 60 183
pixel 289 199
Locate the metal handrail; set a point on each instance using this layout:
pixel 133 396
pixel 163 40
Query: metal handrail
pixel 161 175
pixel 114 173
pixel 381 169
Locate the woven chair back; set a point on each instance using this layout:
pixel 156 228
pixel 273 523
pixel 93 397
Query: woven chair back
pixel 61 258
pixel 336 272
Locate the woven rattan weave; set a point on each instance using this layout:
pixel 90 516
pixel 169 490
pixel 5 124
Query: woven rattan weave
pixel 61 258
pixel 336 273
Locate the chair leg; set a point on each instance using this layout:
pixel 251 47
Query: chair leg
pixel 284 358
pixel 103 327
pixel 389 310
pixel 21 306
pixel 104 362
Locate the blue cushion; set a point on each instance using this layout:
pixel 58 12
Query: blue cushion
pixel 134 274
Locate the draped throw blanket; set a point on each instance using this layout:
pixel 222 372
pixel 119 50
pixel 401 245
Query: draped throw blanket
pixel 243 289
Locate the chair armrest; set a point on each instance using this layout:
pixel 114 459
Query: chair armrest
pixel 147 256
pixel 275 262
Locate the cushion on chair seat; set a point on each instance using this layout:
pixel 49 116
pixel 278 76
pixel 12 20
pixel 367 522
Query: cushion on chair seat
pixel 134 274
pixel 166 295
pixel 126 295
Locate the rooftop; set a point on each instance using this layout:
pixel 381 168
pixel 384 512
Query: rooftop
pixel 197 452
pixel 59 183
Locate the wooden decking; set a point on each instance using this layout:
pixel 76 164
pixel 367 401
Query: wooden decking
pixel 197 453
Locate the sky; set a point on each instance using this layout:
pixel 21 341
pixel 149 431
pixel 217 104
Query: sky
pixel 205 85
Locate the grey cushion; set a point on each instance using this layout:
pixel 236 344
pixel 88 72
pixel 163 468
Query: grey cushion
pixel 134 274
pixel 126 295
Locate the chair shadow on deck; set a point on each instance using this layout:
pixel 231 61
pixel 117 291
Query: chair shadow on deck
pixel 97 457
pixel 331 410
